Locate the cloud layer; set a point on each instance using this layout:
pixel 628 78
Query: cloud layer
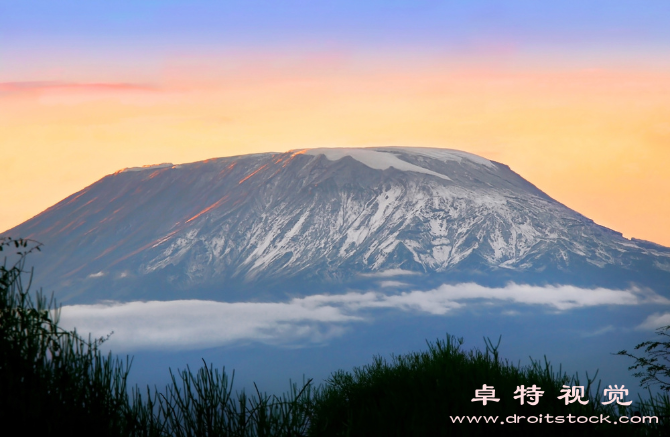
pixel 655 321
pixel 190 324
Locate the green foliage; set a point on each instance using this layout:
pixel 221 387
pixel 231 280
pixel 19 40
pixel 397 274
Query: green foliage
pixel 654 369
pixel 655 366
pixel 203 405
pixel 417 393
pixel 52 381
pixel 656 405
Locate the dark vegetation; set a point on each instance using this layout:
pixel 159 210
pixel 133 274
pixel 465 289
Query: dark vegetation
pixel 54 382
pixel 654 368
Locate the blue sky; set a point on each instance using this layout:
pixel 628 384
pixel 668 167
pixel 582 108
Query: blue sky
pixel 436 24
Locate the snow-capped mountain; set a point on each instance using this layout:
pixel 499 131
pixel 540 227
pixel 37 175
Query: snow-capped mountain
pixel 247 226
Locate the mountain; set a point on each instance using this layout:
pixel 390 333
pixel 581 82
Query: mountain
pixel 253 226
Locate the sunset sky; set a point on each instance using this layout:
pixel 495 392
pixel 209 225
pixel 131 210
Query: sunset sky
pixel 572 95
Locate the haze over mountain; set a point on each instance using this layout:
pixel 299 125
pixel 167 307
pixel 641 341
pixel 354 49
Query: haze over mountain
pixel 314 220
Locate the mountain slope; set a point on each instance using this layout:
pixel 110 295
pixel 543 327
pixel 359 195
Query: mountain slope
pixel 256 225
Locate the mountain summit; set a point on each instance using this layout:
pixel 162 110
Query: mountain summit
pixel 324 219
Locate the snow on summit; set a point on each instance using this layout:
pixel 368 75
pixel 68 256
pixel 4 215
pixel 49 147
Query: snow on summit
pixel 444 154
pixel 384 158
pixel 241 226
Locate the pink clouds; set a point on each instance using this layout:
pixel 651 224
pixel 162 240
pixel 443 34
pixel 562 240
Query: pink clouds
pixel 37 86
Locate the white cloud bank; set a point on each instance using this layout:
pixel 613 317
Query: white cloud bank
pixel 389 273
pixel 312 319
pixel 198 323
pixel 655 321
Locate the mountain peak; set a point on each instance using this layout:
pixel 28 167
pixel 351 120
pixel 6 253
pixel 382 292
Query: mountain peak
pixel 382 158
pixel 323 217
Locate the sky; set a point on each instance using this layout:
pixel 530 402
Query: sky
pixel 572 95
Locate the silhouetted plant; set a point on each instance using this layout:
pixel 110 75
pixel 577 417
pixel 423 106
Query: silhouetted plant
pixel 655 366
pixel 202 404
pixel 416 394
pixel 52 381
pixel 654 369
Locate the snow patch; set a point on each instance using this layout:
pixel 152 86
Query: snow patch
pixel 445 155
pixel 146 167
pixel 373 159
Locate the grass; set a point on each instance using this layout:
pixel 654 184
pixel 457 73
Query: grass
pixel 54 382
pixel 202 404
pixel 416 394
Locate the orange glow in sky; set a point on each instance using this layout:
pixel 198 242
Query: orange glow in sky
pixel 597 140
